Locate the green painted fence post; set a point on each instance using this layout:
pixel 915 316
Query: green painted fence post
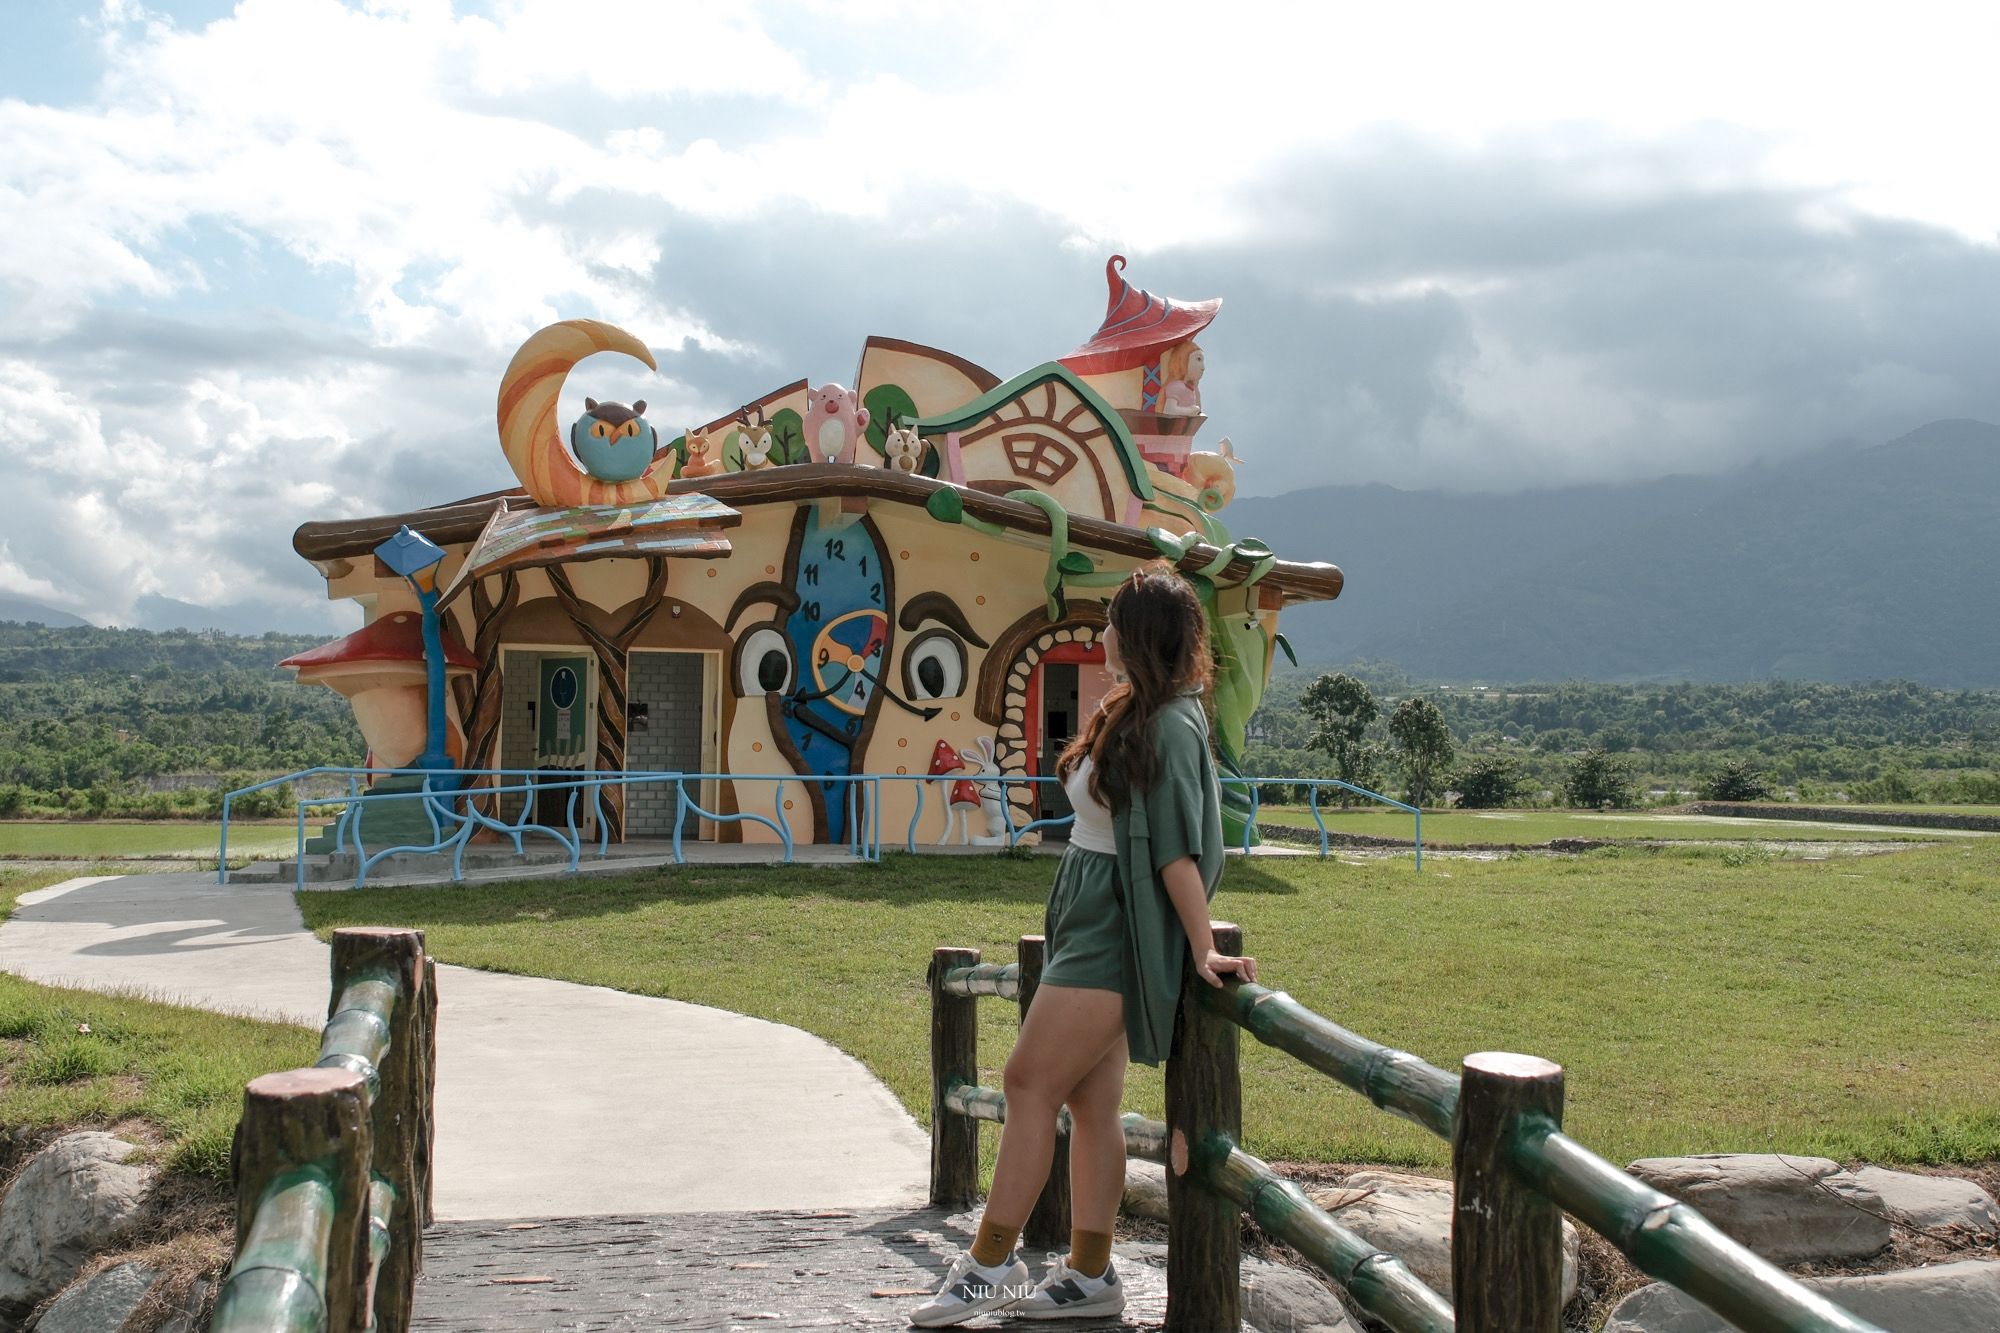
pixel 1506 1237
pixel 1204 1121
pixel 377 1021
pixel 301 1167
pixel 954 1060
pixel 1048 1224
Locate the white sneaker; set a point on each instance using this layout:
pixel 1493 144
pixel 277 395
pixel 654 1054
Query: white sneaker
pixel 1067 1294
pixel 971 1289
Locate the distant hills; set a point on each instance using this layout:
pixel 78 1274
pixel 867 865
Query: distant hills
pixel 1848 564
pixel 1855 564
pixel 164 614
pixel 25 612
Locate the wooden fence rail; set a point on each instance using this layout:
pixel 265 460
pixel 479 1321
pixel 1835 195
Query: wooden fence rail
pixel 1514 1172
pixel 333 1163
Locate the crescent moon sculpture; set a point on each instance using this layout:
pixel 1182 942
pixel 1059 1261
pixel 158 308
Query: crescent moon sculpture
pixel 528 431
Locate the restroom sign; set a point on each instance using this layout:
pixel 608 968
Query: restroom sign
pixel 561 712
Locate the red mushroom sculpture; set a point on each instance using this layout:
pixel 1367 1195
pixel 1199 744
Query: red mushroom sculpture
pixel 379 669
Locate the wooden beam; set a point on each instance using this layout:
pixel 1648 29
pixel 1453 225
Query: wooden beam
pixel 1506 1237
pixel 954 1060
pixel 1204 1121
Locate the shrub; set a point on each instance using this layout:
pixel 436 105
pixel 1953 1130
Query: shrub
pixel 1596 779
pixel 1487 783
pixel 1736 780
pixel 12 800
pixel 1894 787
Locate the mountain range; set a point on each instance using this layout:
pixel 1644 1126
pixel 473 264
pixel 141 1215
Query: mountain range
pixel 1845 564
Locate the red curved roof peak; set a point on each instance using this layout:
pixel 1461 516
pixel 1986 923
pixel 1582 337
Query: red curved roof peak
pixel 1137 325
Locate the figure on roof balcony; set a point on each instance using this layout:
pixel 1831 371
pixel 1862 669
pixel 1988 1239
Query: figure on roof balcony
pixel 612 441
pixel 755 442
pixel 835 423
pixel 704 455
pixel 1181 368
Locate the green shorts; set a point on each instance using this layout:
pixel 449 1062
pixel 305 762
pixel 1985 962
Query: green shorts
pixel 1085 925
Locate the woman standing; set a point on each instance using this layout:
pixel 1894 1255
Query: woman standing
pixel 1128 911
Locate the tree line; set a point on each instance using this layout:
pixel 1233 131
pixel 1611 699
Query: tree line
pixel 94 720
pixel 1588 744
pixel 97 720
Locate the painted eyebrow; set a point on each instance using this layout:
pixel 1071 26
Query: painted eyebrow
pixel 768 591
pixel 939 607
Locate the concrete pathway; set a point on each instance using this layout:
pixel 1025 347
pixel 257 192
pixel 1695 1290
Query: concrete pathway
pixel 553 1099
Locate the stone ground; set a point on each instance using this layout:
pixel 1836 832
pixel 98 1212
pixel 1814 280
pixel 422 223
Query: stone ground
pixel 824 1269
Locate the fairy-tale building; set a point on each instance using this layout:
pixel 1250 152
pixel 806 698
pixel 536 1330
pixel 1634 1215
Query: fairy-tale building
pixel 905 578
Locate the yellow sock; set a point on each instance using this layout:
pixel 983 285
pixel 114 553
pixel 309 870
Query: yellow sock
pixel 1090 1252
pixel 994 1243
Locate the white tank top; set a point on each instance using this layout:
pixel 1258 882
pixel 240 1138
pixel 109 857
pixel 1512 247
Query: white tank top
pixel 1092 829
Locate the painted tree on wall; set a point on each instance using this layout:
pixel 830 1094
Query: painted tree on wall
pixel 788 437
pixel 888 405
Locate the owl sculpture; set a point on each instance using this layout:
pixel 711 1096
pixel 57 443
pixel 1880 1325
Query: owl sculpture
pixel 612 441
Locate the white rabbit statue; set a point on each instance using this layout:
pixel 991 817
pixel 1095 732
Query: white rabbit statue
pixel 992 794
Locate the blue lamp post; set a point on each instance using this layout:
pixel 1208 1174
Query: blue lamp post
pixel 416 557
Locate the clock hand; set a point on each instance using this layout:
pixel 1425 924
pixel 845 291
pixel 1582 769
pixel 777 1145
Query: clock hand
pixel 925 713
pixel 814 722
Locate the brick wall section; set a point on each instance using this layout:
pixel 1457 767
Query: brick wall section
pixel 670 685
pixel 517 724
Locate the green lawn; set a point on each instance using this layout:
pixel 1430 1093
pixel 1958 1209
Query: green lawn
pixel 78 1059
pixel 1532 828
pixel 1702 999
pixel 141 839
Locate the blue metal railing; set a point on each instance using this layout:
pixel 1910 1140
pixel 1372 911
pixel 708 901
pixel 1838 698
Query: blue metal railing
pixel 1319 821
pixel 452 810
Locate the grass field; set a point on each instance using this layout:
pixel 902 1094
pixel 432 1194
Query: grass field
pixel 1703 999
pixel 78 1059
pixel 1532 828
pixel 143 839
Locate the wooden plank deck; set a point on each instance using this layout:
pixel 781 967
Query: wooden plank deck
pixel 714 1271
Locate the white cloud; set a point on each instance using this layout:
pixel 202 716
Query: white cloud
pixel 455 180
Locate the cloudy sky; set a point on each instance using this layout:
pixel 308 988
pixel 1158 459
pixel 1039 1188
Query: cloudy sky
pixel 264 261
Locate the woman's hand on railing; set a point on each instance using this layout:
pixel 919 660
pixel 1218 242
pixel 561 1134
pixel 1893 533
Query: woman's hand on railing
pixel 1211 966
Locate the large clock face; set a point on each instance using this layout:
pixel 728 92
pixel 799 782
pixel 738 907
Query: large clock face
pixel 840 634
pixel 847 658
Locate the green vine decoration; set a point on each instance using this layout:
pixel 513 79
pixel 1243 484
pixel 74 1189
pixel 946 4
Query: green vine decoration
pixel 1237 644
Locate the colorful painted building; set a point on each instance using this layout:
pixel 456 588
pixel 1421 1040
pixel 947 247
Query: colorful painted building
pixel 906 577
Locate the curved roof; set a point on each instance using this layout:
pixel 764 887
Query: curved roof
pixel 1137 326
pixel 1300 581
pixel 396 637
pixel 1129 457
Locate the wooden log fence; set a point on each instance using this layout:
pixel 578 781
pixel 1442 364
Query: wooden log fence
pixel 1514 1172
pixel 333 1163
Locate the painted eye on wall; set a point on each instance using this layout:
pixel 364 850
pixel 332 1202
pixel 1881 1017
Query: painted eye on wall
pixel 764 662
pixel 934 667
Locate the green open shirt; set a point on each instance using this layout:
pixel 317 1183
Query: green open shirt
pixel 1180 815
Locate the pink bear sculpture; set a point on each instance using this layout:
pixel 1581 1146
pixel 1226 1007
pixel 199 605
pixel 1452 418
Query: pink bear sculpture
pixel 835 421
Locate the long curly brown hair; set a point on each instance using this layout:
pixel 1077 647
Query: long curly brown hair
pixel 1163 639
